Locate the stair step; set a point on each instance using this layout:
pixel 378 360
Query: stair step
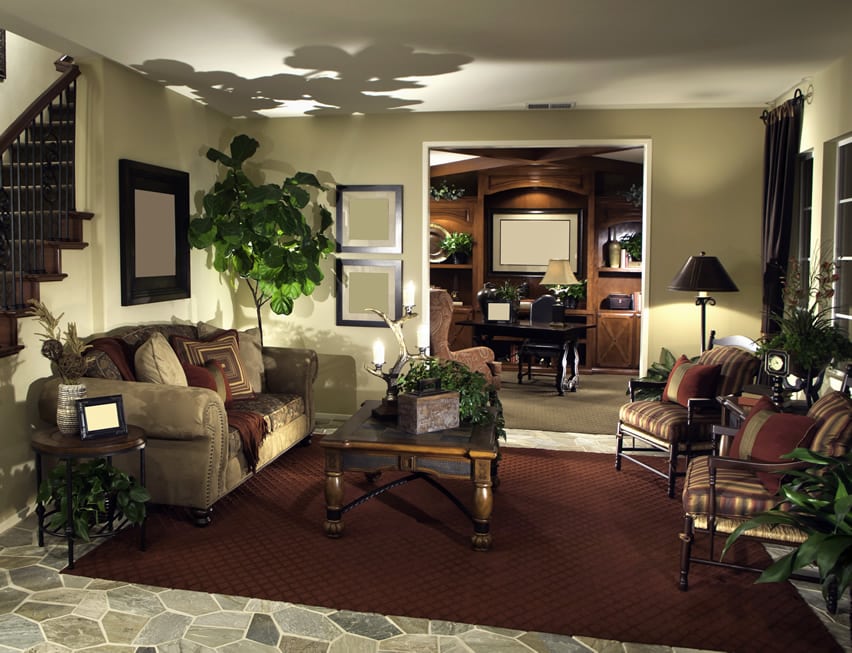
pixel 62 112
pixel 30 174
pixel 51 131
pixel 64 227
pixel 29 152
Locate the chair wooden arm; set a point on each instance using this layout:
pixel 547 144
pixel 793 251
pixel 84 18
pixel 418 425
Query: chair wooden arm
pixel 724 462
pixel 634 385
pixel 722 438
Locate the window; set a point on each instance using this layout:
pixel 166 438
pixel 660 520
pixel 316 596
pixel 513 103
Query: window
pixel 800 231
pixel 843 235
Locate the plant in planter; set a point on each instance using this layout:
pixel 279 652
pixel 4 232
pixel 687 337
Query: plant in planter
pixel 632 244
pixel 99 493
pixel 815 500
pixel 571 294
pixel 458 246
pixel 806 328
pixel 259 232
pixel 476 397
pixel 445 191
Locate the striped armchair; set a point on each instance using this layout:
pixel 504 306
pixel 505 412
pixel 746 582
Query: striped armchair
pixel 721 492
pixel 680 429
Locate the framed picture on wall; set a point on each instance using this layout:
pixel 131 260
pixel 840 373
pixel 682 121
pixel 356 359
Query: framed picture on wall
pixel 363 284
pixel 369 219
pixel 524 240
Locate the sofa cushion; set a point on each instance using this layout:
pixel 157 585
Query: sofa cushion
pixel 251 353
pixel 156 362
pixel 691 380
pixel 224 348
pixel 210 375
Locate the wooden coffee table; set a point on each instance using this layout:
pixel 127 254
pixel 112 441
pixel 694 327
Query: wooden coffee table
pixel 366 444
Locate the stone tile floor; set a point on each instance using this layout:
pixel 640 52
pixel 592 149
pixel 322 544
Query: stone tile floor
pixel 44 611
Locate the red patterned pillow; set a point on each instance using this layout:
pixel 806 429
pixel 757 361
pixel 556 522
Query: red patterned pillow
pixel 224 348
pixel 211 375
pixel 691 380
pixel 766 435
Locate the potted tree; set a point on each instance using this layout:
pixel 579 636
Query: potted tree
pixel 458 246
pixel 260 233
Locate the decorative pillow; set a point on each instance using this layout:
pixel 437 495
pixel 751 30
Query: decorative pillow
pixel 156 362
pixel 763 404
pixel 250 351
pixel 100 366
pixel 767 435
pixel 119 355
pixel 223 348
pixel 211 375
pixel 691 380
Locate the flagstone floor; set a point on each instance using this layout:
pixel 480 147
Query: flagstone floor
pixel 44 611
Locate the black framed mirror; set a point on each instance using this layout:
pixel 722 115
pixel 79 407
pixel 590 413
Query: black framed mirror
pixel 154 219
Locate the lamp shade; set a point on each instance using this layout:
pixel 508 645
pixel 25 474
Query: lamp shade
pixel 559 273
pixel 703 273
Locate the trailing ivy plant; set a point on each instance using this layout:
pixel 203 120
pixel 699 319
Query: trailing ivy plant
pixel 259 233
pixel 99 492
pixel 477 397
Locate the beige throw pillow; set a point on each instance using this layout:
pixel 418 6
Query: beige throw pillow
pixel 157 362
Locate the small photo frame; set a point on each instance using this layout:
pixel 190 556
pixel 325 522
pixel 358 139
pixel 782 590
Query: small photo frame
pixel 499 312
pixel 101 416
pixel 369 219
pixel 363 284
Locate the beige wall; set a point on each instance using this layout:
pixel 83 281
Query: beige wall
pixel 704 193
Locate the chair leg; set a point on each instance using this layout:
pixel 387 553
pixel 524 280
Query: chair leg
pixel 686 538
pixel 831 597
pixel 619 446
pixel 672 470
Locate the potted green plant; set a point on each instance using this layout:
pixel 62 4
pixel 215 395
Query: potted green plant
pixel 806 328
pixel 445 191
pixel 815 500
pixel 571 294
pixel 100 494
pixel 260 233
pixel 458 246
pixel 478 400
pixel 632 244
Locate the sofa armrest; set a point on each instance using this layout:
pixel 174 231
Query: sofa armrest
pixel 165 411
pixel 292 370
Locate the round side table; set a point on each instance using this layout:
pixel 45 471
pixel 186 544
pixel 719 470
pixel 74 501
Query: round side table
pixel 68 448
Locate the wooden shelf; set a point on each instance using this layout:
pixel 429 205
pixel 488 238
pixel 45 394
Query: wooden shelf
pixel 451 266
pixel 606 270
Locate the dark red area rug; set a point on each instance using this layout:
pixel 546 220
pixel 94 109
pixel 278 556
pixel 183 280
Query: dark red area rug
pixel 579 549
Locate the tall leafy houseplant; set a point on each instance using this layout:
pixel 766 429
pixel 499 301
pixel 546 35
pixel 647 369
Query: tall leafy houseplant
pixel 259 233
pixel 806 328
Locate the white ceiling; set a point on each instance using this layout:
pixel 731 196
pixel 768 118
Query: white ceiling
pixel 280 57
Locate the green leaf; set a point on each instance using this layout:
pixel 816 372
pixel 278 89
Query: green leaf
pixel 243 147
pixel 779 570
pixel 280 304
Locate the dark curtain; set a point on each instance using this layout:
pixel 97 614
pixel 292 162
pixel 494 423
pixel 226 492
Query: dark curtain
pixel 781 150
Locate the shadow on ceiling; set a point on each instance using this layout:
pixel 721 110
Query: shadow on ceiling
pixel 335 82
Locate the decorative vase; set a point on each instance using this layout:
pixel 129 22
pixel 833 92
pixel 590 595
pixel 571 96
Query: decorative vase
pixel 612 251
pixel 459 258
pixel 67 419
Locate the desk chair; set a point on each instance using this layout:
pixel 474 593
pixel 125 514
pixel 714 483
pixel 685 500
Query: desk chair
pixel 533 351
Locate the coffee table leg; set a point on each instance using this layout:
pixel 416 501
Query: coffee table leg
pixel 333 494
pixel 483 503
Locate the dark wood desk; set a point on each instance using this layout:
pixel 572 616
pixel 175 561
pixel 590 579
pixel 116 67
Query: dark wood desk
pixel 567 373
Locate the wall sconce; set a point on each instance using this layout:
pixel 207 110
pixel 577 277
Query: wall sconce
pixel 703 274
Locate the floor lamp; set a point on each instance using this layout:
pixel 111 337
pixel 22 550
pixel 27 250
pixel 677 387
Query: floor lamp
pixel 703 274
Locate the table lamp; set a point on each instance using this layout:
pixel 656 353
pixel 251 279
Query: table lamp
pixel 702 274
pixel 558 273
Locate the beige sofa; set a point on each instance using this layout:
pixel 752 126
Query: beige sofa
pixel 195 454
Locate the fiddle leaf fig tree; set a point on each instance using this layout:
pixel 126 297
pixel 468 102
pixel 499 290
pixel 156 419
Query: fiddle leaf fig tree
pixel 260 233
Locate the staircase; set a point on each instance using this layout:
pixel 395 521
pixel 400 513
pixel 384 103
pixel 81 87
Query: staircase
pixel 38 216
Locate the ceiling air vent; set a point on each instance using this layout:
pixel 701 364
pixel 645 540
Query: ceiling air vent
pixel 551 106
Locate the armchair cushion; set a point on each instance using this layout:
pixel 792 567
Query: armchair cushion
pixel 667 421
pixel 224 348
pixel 833 414
pixel 691 380
pixel 738 492
pixel 739 367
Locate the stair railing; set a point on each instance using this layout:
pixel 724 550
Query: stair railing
pixel 36 184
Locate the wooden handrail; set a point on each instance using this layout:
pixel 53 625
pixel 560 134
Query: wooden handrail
pixel 70 71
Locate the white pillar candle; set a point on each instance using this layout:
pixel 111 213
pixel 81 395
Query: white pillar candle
pixel 378 353
pixel 408 295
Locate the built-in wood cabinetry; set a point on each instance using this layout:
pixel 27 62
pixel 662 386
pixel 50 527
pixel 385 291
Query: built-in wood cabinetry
pixel 590 185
